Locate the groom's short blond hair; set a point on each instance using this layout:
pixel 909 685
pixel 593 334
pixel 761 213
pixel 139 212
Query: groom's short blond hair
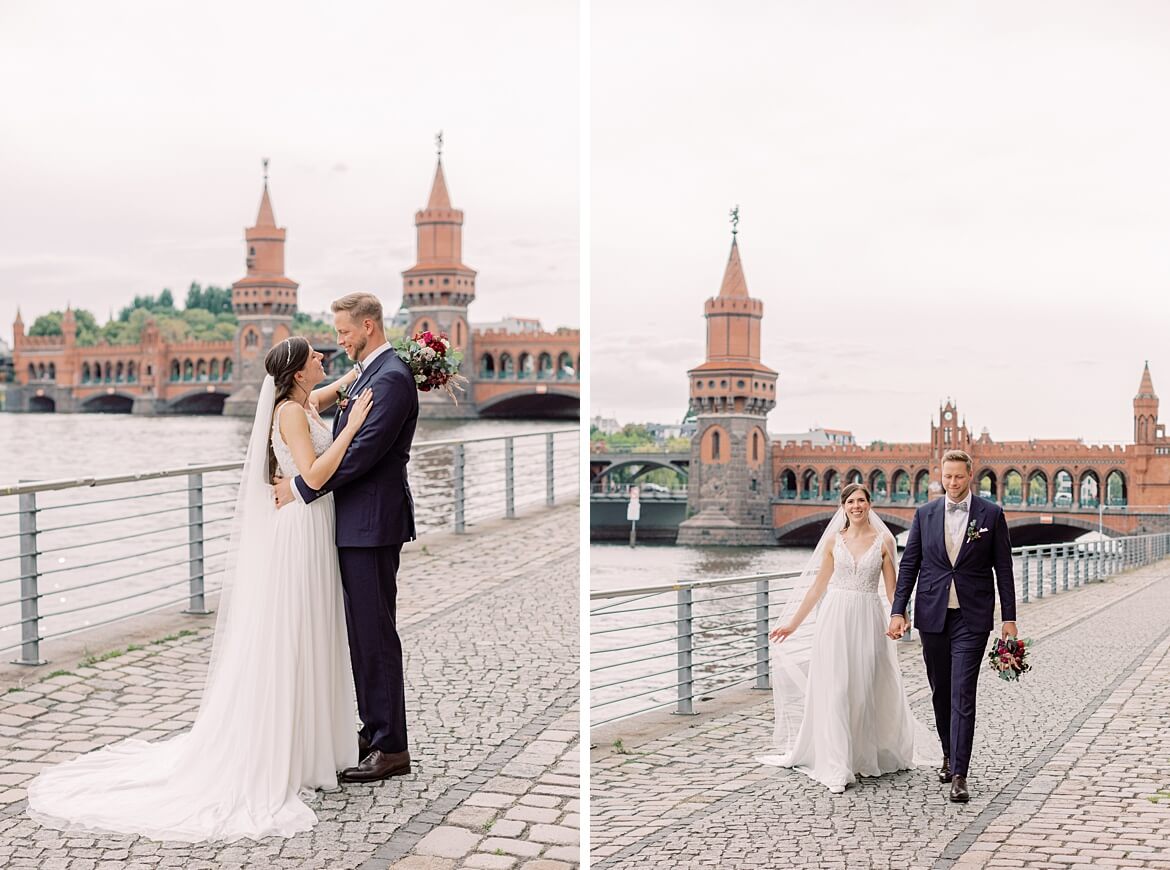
pixel 957 456
pixel 359 306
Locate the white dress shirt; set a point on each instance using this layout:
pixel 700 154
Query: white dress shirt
pixel 955 524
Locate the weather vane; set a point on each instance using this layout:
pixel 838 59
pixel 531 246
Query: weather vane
pixel 439 142
pixel 265 162
pixel 734 214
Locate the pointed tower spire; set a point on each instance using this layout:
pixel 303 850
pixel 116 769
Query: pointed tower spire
pixel 265 217
pixel 439 199
pixel 265 290
pixel 734 283
pixel 1146 390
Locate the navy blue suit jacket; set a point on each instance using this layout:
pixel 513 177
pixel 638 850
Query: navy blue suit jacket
pixel 926 562
pixel 371 493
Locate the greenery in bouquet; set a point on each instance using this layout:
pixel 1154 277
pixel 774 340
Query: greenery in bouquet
pixel 1008 657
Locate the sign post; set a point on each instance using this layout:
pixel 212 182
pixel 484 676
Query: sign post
pixel 633 514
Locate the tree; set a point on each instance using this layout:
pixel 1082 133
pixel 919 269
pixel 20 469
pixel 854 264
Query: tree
pixel 217 300
pixel 50 324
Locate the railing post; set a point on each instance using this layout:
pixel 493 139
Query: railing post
pixel 762 668
pixel 1052 554
pixel 685 678
pixel 1024 583
pixel 457 463
pixel 509 478
pixel 1039 573
pixel 549 469
pixel 1064 560
pixel 30 629
pixel 195 601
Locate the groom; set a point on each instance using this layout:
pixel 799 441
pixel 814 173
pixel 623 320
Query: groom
pixel 953 547
pixel 375 516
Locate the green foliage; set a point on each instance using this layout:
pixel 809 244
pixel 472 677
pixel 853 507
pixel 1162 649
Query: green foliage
pixel 217 300
pixel 303 324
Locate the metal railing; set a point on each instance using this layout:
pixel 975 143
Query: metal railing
pixel 149 534
pixel 664 646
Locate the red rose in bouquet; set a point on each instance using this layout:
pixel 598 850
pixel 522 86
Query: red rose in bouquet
pixel 432 362
pixel 1008 658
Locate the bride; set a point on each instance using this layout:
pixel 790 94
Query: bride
pixel 276 719
pixel 841 711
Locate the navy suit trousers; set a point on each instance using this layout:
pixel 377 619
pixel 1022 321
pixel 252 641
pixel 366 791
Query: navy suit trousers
pixel 369 580
pixel 953 657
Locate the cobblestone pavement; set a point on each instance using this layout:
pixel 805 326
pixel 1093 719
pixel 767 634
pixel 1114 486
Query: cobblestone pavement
pixel 490 632
pixel 1066 772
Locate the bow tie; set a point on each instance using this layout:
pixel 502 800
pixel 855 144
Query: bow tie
pixel 358 367
pixel 957 506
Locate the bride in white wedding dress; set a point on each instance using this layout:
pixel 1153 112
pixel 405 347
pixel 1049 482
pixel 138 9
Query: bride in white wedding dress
pixel 841 711
pixel 277 716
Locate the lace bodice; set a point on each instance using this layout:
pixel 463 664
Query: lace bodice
pixel 861 575
pixel 319 432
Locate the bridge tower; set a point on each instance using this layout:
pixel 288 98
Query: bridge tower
pixel 264 301
pixel 1145 411
pixel 730 485
pixel 439 287
pixel 948 434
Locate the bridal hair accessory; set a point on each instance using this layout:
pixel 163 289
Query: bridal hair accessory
pixel 288 358
pixel 1007 658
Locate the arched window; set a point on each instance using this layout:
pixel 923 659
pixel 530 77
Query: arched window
pixel 487 366
pixel 1115 489
pixel 565 370
pixel 525 366
pixel 188 370
pixel 41 372
pixel 921 486
pixel 251 339
pixel 507 368
pixel 459 333
pixel 131 373
pixel 213 370
pixel 545 369
pixel 109 373
pixel 1013 487
pixel 901 491
pixel 854 476
pixel 176 372
pixel 715 445
pixel 1063 489
pixel 52 371
pixel 1038 488
pixel 810 484
pixel 227 369
pixel 832 485
pixel 1090 490
pixel 85 373
pixel 201 370
pixel 756 450
pixel 878 485
pixel 986 487
pixel 119 372
pixel 787 483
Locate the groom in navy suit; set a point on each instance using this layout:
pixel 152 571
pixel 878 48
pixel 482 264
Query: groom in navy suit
pixel 375 516
pixel 955 544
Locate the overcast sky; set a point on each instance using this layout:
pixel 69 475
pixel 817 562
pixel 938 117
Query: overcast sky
pixel 937 199
pixel 131 135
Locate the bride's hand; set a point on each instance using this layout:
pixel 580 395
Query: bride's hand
pixel 359 411
pixel 778 634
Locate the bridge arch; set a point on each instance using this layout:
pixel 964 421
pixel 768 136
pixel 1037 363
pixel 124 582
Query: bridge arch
pixel 487 366
pixel 1029 531
pixel 198 401
pixel 1013 487
pixel 786 483
pixel 1062 486
pixel 987 485
pixel 900 485
pixel 921 486
pixel 550 401
pixel 1089 489
pixel 854 475
pixel 832 487
pixel 646 463
pixel 879 485
pixel 108 403
pixel 810 484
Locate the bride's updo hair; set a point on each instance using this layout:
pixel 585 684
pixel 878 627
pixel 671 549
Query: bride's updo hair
pixel 849 490
pixel 284 361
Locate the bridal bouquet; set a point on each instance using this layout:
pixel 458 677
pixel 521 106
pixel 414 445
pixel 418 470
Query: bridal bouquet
pixel 1008 658
pixel 432 362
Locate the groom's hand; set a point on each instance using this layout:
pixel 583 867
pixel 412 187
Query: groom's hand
pixel 1009 630
pixel 282 491
pixel 898 626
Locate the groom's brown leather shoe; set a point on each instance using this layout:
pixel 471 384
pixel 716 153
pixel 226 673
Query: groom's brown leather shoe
pixel 944 772
pixel 377 765
pixel 959 793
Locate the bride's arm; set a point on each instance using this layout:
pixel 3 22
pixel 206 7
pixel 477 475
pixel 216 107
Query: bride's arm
pixel 810 598
pixel 294 429
pixel 327 395
pixel 888 569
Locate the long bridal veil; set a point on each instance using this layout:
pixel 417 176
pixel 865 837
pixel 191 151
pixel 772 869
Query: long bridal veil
pixel 235 772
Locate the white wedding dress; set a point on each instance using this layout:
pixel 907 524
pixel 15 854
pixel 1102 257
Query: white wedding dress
pixel 856 720
pixel 277 718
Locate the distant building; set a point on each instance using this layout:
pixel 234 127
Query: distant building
pixel 665 431
pixel 818 437
pixel 513 326
pixel 606 425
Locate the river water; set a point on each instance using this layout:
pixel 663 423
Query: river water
pixel 106 552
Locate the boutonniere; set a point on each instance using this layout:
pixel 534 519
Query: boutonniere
pixel 973 533
pixel 342 398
